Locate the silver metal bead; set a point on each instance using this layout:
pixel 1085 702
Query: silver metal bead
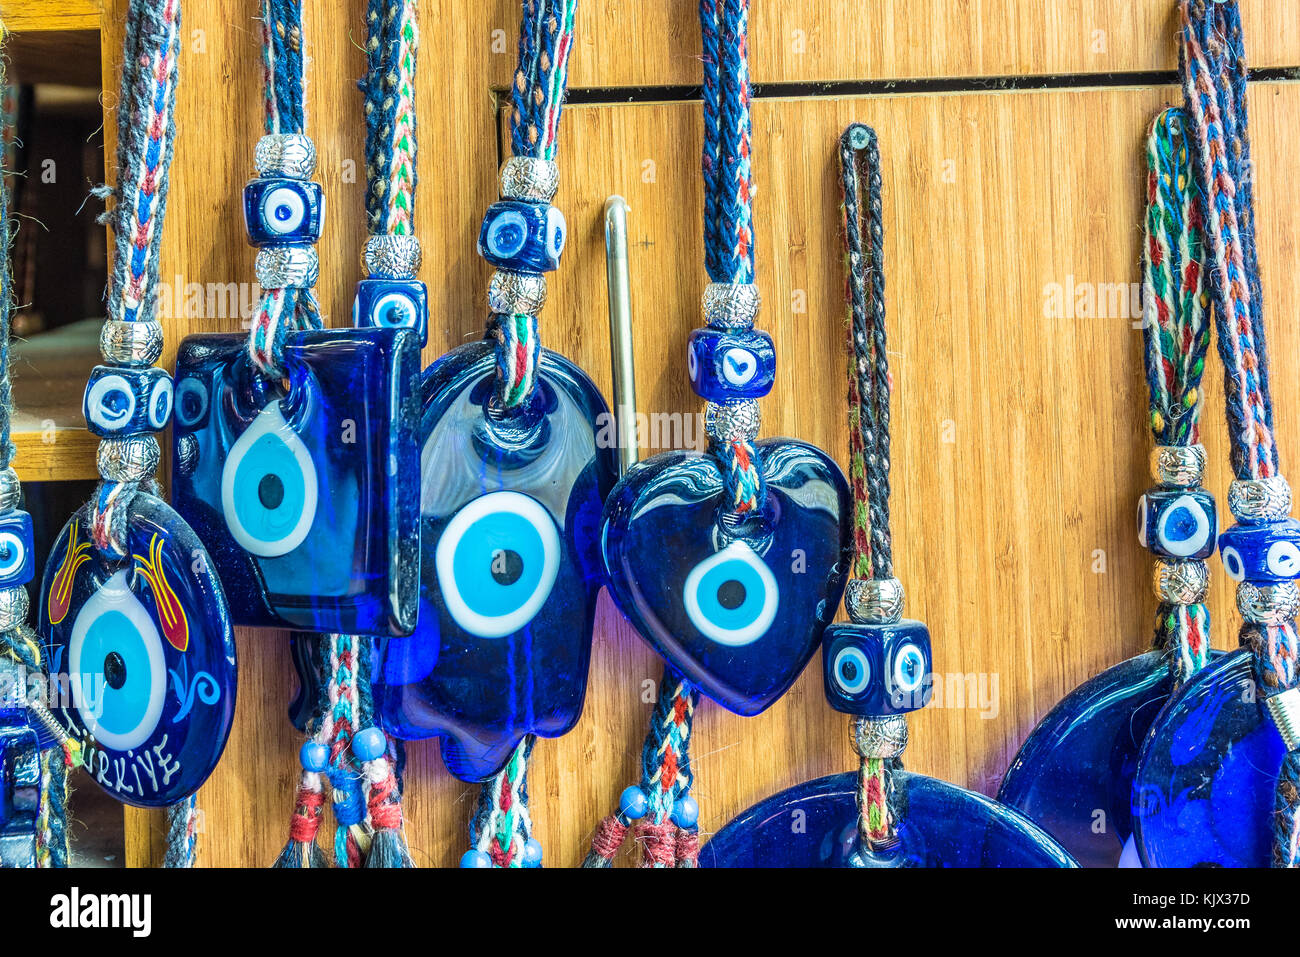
pixel 1284 709
pixel 729 305
pixel 1181 583
pixel 292 155
pixel 136 344
pixel 287 267
pixel 1268 604
pixel 732 421
pixel 879 737
pixel 1182 466
pixel 514 293
pixel 1255 501
pixel 14 606
pixel 392 257
pixel 529 179
pixel 187 454
pixel 130 459
pixel 11 492
pixel 874 601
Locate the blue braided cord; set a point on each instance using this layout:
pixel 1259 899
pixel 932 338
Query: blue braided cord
pixel 541 76
pixel 284 62
pixel 527 110
pixel 379 109
pixel 182 840
pixel 710 160
pixel 665 734
pixel 735 207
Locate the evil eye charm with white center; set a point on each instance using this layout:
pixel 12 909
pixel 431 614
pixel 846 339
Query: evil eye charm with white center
pixel 283 212
pixel 877 670
pixel 17 558
pixel 522 237
pixel 1177 523
pixel 728 365
pixel 304 491
pixel 1264 554
pixel 732 597
pixel 510 572
pixel 148 651
pixel 121 401
pixel 392 304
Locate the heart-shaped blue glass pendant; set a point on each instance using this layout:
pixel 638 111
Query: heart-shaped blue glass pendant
pixel 737 607
pixel 1204 789
pixel 510 508
pixel 148 651
pixel 815 824
pixel 303 491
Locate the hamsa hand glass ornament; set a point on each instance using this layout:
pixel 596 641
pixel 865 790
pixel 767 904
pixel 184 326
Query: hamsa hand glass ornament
pixel 737 608
pixel 510 507
pixel 148 651
pixel 302 491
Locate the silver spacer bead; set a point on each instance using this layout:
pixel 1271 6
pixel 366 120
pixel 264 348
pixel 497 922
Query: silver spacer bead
pixel 729 305
pixel 515 293
pixel 136 344
pixel 732 421
pixel 874 601
pixel 1255 501
pixel 291 155
pixel 287 267
pixel 1284 709
pixel 529 179
pixel 1181 583
pixel 879 737
pixel 14 606
pixel 1268 604
pixel 11 492
pixel 1182 466
pixel 187 454
pixel 392 257
pixel 130 459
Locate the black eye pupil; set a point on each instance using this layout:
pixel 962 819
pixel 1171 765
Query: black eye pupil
pixel 731 594
pixel 507 566
pixel 270 491
pixel 114 670
pixel 849 671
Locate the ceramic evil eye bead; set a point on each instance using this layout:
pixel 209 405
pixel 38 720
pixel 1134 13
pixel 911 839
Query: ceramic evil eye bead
pixel 877 670
pixel 1177 523
pixel 1262 553
pixel 524 237
pixel 16 562
pixel 392 304
pixel 279 211
pixel 731 365
pixel 122 401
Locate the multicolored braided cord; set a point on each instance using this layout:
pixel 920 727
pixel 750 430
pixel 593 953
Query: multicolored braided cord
pixel 388 88
pixel 501 826
pixel 1176 337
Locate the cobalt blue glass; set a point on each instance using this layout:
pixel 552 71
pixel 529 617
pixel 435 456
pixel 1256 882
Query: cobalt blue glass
pixel 122 401
pixel 738 609
pixel 283 212
pixel 392 304
pixel 306 664
pixel 1203 793
pixel 814 824
pixel 148 651
pixel 732 364
pixel 1074 773
pixel 22 738
pixel 17 553
pixel 522 237
pixel 510 523
pixel 1177 523
pixel 1263 554
pixel 877 670
pixel 304 495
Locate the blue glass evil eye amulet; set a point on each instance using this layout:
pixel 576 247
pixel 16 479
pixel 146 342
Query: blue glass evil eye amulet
pixel 510 508
pixel 148 651
pixel 738 609
pixel 304 494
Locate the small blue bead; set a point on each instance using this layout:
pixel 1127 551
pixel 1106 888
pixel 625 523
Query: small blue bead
pixel 1262 554
pixel 369 744
pixel 475 859
pixel 1178 523
pixel 633 803
pixel 314 756
pixel 877 670
pixel 686 811
pixel 17 553
pixel 533 853
pixel 122 401
pixel 283 212
pixel 737 364
pixel 523 237
pixel 392 304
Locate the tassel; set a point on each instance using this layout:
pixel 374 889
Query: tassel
pixel 302 851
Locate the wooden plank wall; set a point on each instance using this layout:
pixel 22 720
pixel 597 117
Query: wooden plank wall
pixel 1020 447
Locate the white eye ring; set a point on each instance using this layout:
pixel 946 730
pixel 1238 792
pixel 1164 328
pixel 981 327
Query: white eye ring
pixel 506 220
pixel 903 682
pixel 408 311
pixel 17 552
pixel 856 657
pixel 1194 542
pixel 557 231
pixel 734 637
pixel 1233 565
pixel 160 403
pixel 1142 521
pixel 692 364
pixel 269 420
pixel 100 391
pixel 187 387
pixel 283 196
pixel 749 366
pixel 1284 559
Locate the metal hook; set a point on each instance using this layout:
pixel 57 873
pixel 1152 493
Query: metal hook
pixel 620 330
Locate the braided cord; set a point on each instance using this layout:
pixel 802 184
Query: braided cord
pixel 541 77
pixel 389 91
pixel 502 827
